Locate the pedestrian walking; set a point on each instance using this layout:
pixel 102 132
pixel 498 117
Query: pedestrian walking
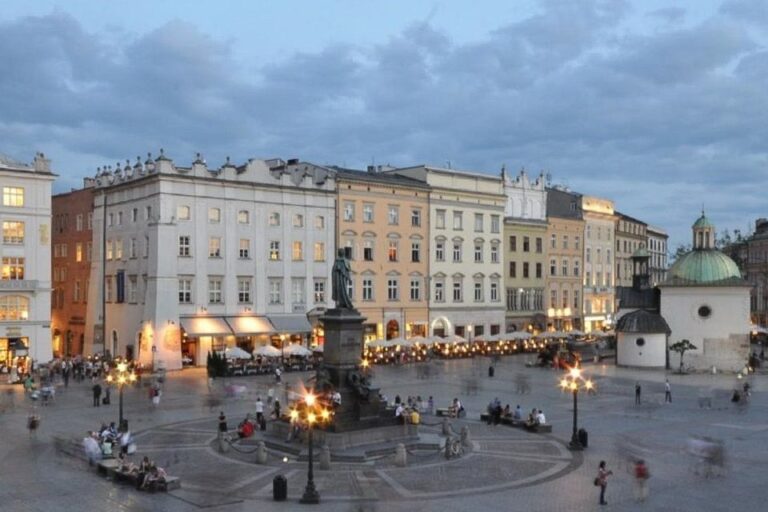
pixel 602 480
pixel 96 394
pixel 638 391
pixel 430 405
pixel 222 422
pixel 667 392
pixel 641 481
pixel 259 410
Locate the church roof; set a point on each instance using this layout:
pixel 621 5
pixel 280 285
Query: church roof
pixel 704 267
pixel 642 321
pixel 703 222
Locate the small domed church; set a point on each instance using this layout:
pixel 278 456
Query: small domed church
pixel 704 300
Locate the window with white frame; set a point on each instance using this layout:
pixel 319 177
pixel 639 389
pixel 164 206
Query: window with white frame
pixel 79 222
pixel 298 220
pixel 368 250
pixel 457 290
pixel 132 287
pixel 553 298
pixel 416 217
pixel 494 253
pixel 479 222
pixel 565 241
pixel 244 290
pixel 553 267
pixel 349 211
pixel 415 251
pixel 64 250
pixel 393 215
pixel 183 212
pixel 440 219
pixel 415 289
pixel 319 222
pixel 319 251
pixel 243 217
pixel 76 291
pixel 298 287
pixel 478 291
pixel 319 289
pixel 134 215
pixel 108 289
pixel 553 241
pixel 392 250
pixel 297 251
pixel 89 221
pixel 495 224
pixel 78 251
pixel 478 252
pixel 351 287
pixel 214 215
pixel 349 249
pixel 439 291
pixel 456 252
pixel 245 249
pixel 119 218
pixel 494 291
pixel 393 290
pixel 110 250
pixel 214 247
pixel 367 288
pixel 439 251
pixel 13 196
pixel 367 212
pixel 577 243
pixel 132 248
pixel 13 232
pixel 565 298
pixel 119 249
pixel 215 295
pixel 275 290
pixel 274 219
pixel 564 269
pixel 184 246
pixel 458 220
pixel 274 250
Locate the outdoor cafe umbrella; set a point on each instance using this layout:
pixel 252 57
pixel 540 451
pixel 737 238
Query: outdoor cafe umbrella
pixel 297 350
pixel 267 351
pixel 236 353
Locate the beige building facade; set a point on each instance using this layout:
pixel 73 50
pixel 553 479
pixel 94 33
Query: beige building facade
pixel 383 228
pixel 599 238
pixel 631 235
pixel 565 266
pixel 525 277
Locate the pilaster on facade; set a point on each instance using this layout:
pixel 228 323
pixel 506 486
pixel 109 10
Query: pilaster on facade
pixel 25 256
pixel 190 259
pixel 466 212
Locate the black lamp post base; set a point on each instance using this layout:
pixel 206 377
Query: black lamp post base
pixel 575 446
pixel 311 496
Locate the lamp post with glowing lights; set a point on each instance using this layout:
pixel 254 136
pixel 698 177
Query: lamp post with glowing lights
pixel 308 413
pixel 121 377
pixel 574 382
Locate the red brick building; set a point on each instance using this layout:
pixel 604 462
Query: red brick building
pixel 71 267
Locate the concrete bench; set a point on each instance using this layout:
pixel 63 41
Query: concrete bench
pixel 511 422
pixel 447 411
pixel 110 468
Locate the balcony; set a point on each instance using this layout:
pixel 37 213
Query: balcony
pixel 19 285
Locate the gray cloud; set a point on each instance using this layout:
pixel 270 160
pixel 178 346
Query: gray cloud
pixel 659 121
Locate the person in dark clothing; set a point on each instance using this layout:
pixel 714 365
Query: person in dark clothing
pixel 96 395
pixel 638 391
pixel 222 422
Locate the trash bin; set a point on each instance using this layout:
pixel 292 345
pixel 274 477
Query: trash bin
pixel 280 488
pixel 583 437
pixel 491 371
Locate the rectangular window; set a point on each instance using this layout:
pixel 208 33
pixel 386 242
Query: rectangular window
pixel 298 286
pixel 553 298
pixel 182 213
pixel 494 253
pixel 119 249
pixel 565 298
pixel 393 215
pixel 119 218
pixel 79 252
pixel 214 215
pixel 214 247
pixel 64 250
pixel 478 253
pixel 146 247
pixel 275 291
pixel 108 289
pixel 274 250
pixel 244 290
pixel 588 278
pixel 457 295
pixel 513 243
pixel 132 248
pixel 134 215
pixel 512 269
pixel 319 251
pixel 148 213
pixel 132 286
pixel 564 272
pixel 416 218
pixel 440 219
pixel 494 292
pixel 368 250
pixel 589 255
pixel 526 272
pixel 539 270
pixel 79 222
pixel 393 291
pixel 439 251
pixel 89 220
pixel 215 295
pixel 109 250
pixel 392 250
pixel 298 221
pixel 565 241
pixel 577 243
pixel 415 289
pixel 553 267
pixel 184 246
pixel 526 244
pixel 576 305
pixel 274 219
pixel 539 244
pixel 245 249
pixel 297 252
pixel 13 196
pixel 553 241
pixel 576 269
pixel 439 291
pixel 76 292
pixel 478 291
pixel 367 288
pixel 243 217
pixel 367 212
pixel 495 224
pixel 458 220
pixel 349 211
pixel 319 288
pixel 457 252
pixel 415 252
pixel 13 232
pixel 478 222
pixel 319 222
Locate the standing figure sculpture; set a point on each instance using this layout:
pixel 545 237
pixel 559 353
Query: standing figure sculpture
pixel 341 281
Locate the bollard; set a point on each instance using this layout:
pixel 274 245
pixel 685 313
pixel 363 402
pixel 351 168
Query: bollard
pixel 325 457
pixel 223 445
pixel 261 453
pixel 465 440
pixel 401 456
pixel 446 427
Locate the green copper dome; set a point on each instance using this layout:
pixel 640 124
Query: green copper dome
pixel 703 267
pixel 703 222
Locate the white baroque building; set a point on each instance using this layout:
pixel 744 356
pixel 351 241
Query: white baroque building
pixel 197 258
pixel 25 252
pixel 465 264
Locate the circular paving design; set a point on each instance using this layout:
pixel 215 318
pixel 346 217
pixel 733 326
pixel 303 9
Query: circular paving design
pixel 501 458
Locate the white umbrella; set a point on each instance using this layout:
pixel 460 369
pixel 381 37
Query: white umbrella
pixel 494 338
pixel 481 338
pixel 453 340
pixel 576 332
pixel 520 335
pixel 267 351
pixel 434 339
pixel 395 342
pixel 376 343
pixel 421 340
pixel 236 353
pixel 293 349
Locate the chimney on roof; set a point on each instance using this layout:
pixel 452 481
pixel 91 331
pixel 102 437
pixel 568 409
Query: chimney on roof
pixel 372 169
pixel 293 161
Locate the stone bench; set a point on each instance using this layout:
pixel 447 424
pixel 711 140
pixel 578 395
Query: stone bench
pixel 511 422
pixel 111 469
pixel 447 411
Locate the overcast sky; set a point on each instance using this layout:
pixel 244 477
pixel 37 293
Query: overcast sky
pixel 662 109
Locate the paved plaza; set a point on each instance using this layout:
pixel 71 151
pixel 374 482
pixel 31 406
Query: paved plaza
pixel 506 468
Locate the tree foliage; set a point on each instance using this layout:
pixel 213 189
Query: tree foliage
pixel 681 347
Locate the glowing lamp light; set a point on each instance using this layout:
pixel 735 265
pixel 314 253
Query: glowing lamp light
pixel 121 379
pixel 589 384
pixel 109 378
pixel 121 367
pixel 311 417
pixel 285 459
pixel 294 415
pixel 564 384
pixel 325 414
pixel 575 373
pixel 310 399
pixel 132 377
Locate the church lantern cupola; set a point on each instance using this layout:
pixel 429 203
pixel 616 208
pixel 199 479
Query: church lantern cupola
pixel 703 233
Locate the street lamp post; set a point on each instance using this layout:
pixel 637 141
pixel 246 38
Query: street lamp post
pixel 308 413
pixel 121 377
pixel 574 382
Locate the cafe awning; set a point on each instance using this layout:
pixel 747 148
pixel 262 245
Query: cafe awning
pixel 290 324
pixel 250 325
pixel 205 326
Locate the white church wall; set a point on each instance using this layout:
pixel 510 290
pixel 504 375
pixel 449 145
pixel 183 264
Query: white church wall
pixel 646 350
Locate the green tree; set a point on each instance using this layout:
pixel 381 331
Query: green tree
pixel 681 347
pixel 680 251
